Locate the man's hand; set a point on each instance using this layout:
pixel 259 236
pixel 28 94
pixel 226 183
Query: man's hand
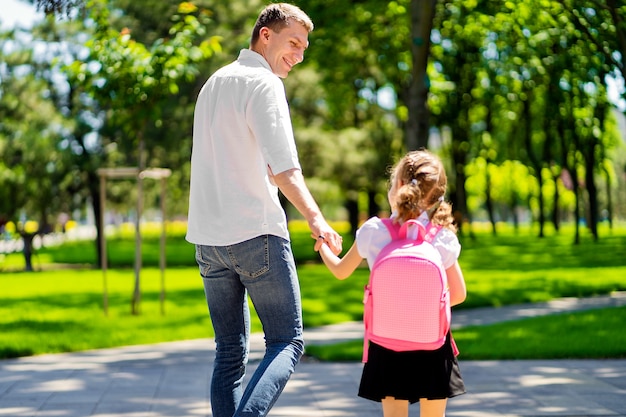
pixel 330 237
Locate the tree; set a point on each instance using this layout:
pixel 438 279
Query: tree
pixel 33 172
pixel 601 27
pixel 59 7
pixel 515 82
pixel 131 82
pixel 168 140
pixel 457 53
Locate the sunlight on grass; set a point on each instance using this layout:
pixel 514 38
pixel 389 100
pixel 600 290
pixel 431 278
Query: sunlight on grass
pixel 59 310
pixel 581 335
pixel 589 334
pixel 62 311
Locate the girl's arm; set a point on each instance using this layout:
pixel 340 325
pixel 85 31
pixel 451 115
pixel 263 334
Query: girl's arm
pixel 458 292
pixel 341 267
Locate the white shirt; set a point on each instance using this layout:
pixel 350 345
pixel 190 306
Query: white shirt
pixel 241 126
pixel 373 236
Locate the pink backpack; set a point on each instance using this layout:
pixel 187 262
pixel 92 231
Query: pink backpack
pixel 407 299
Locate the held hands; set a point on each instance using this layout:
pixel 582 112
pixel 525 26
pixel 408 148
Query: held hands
pixel 330 237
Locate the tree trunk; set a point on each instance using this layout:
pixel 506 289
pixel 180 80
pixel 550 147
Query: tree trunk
pixel 513 206
pixel 592 192
pixel 556 218
pixel 417 128
pixel 535 162
pixel 576 207
pixel 459 197
pixel 489 201
pixel 373 207
pixel 352 206
pixel 594 143
pixel 609 197
pixel 28 250
pixel 93 185
pixel 542 214
pixel 566 135
pixel 136 298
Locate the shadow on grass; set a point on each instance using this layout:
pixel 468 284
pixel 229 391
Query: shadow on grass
pixel 11 352
pixel 121 253
pixel 40 326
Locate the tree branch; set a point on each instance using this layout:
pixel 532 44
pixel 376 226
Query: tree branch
pixel 584 28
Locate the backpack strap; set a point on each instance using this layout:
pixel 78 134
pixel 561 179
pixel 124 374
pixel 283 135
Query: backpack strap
pixel 428 234
pixel 391 227
pixel 393 232
pixel 431 232
pixel 399 232
pixel 421 232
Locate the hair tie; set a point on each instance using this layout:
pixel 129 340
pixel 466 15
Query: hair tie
pixel 435 207
pixel 414 181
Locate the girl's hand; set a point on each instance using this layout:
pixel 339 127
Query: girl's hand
pixel 331 238
pixel 319 241
pixel 341 268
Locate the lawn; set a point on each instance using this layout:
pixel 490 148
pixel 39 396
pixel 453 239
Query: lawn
pixel 60 309
pixel 582 335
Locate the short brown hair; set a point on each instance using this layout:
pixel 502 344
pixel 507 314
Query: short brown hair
pixel 276 17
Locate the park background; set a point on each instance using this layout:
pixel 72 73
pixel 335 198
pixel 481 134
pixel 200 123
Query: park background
pixel 522 100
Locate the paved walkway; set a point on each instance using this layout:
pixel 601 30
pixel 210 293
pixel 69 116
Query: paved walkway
pixel 172 379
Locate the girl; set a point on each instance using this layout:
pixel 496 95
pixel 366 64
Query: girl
pixel 397 379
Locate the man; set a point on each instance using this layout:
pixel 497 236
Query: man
pixel 243 152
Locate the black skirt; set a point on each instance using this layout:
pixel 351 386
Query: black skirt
pixel 431 374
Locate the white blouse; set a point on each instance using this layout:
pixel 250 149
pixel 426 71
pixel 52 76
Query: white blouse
pixel 373 236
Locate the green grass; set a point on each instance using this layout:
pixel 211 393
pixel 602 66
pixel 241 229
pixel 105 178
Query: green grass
pixel 586 334
pixel 62 310
pixel 593 334
pixel 57 310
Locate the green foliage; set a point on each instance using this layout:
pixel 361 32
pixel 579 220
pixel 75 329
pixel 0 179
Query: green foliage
pixel 133 79
pixel 518 82
pixel 517 91
pixel 32 168
pixel 502 190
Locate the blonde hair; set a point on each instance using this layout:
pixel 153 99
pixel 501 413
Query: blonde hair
pixel 422 183
pixel 276 17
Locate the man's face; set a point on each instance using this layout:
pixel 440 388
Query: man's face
pixel 284 49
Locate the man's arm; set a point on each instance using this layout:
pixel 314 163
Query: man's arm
pixel 291 184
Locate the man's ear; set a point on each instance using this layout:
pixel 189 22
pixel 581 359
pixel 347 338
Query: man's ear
pixel 264 34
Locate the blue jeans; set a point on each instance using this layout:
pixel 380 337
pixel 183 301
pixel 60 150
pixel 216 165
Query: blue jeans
pixel 264 269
